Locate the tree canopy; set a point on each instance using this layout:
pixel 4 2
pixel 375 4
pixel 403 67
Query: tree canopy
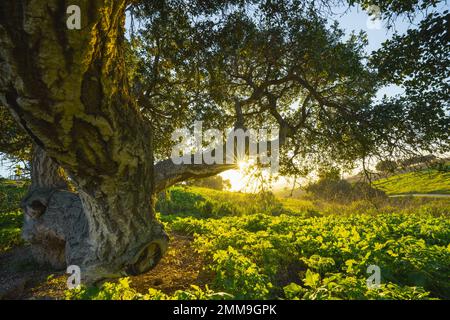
pixel 283 63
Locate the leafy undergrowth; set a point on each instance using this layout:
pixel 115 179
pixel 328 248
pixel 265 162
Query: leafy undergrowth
pixel 223 248
pixel 208 203
pixel 261 256
pixel 11 216
pixel 430 181
pixel 10 230
pixel 122 290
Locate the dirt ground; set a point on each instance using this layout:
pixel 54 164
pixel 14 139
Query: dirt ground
pixel 22 278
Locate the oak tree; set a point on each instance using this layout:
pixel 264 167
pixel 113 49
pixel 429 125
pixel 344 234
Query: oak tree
pixel 100 106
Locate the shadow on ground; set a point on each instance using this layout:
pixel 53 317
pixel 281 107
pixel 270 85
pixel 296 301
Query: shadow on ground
pixel 22 278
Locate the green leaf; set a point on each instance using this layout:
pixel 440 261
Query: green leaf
pixel 312 279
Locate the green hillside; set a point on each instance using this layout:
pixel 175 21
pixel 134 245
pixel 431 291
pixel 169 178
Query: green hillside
pixel 429 181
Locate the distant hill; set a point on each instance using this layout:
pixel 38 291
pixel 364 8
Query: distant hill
pixel 429 181
pixel 420 167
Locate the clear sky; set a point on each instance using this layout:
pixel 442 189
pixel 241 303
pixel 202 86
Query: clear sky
pixel 350 20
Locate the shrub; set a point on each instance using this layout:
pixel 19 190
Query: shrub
pixel 386 166
pixel 213 204
pixel 11 193
pixel 10 229
pixel 178 200
pixel 214 182
pixel 418 160
pixel 343 191
pixel 238 275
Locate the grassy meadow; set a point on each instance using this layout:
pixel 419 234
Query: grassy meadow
pixel 426 181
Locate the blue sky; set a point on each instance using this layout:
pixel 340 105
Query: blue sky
pixel 356 19
pixel 350 20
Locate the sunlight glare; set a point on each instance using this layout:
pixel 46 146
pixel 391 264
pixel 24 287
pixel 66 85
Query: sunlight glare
pixel 238 177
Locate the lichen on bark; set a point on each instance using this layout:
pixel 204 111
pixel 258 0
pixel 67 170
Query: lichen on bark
pixel 68 90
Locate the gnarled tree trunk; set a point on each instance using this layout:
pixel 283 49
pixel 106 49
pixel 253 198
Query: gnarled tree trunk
pixel 46 221
pixel 68 90
pixel 57 227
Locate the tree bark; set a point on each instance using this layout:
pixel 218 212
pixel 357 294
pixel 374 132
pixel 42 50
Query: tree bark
pixel 47 233
pixel 68 90
pixel 56 226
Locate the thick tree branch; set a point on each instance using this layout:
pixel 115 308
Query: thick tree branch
pixel 167 173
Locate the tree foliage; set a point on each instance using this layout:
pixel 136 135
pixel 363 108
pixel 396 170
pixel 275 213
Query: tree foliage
pixel 14 143
pixel 261 64
pixel 282 63
pixel 416 122
pixel 386 166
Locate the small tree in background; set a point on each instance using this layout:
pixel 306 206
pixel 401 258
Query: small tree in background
pixel 386 166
